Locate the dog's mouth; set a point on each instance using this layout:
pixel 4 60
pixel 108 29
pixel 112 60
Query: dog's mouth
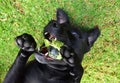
pixel 44 52
pixel 50 49
pixel 50 37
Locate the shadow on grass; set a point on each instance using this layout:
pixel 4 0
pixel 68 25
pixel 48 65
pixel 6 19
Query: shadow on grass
pixel 82 25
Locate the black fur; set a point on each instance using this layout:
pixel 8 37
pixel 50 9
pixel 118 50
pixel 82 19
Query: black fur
pixel 42 70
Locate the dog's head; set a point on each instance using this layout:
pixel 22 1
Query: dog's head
pixel 60 29
pixel 57 29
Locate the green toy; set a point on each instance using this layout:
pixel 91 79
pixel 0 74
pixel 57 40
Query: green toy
pixel 54 48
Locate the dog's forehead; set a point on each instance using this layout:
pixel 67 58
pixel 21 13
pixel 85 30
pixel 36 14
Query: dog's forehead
pixel 51 24
pixel 55 28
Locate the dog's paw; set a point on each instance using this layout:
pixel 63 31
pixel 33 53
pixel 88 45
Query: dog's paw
pixel 26 42
pixel 68 55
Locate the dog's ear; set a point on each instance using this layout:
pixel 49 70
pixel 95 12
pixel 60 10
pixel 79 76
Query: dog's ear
pixel 61 16
pixel 93 35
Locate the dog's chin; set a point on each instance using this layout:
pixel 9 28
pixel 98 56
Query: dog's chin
pixel 55 64
pixel 42 59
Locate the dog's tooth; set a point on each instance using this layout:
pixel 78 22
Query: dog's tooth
pixel 46 54
pixel 49 38
pixel 46 33
pixel 38 49
pixel 55 39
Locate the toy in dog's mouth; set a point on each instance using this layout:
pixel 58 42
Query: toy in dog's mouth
pixel 51 47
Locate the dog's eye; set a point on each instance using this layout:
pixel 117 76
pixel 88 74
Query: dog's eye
pixel 55 25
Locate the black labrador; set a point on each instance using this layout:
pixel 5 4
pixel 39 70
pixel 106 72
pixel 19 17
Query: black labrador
pixel 45 70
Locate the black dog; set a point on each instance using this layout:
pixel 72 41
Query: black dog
pixel 44 70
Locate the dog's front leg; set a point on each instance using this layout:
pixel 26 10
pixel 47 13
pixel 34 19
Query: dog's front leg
pixel 27 46
pixel 77 73
pixel 70 57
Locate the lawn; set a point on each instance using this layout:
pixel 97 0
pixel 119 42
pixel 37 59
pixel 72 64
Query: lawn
pixel 101 64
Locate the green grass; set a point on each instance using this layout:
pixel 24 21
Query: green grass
pixel 101 64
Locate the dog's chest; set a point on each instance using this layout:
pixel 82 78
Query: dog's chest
pixel 46 77
pixel 44 74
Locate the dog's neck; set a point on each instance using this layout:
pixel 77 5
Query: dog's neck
pixel 58 67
